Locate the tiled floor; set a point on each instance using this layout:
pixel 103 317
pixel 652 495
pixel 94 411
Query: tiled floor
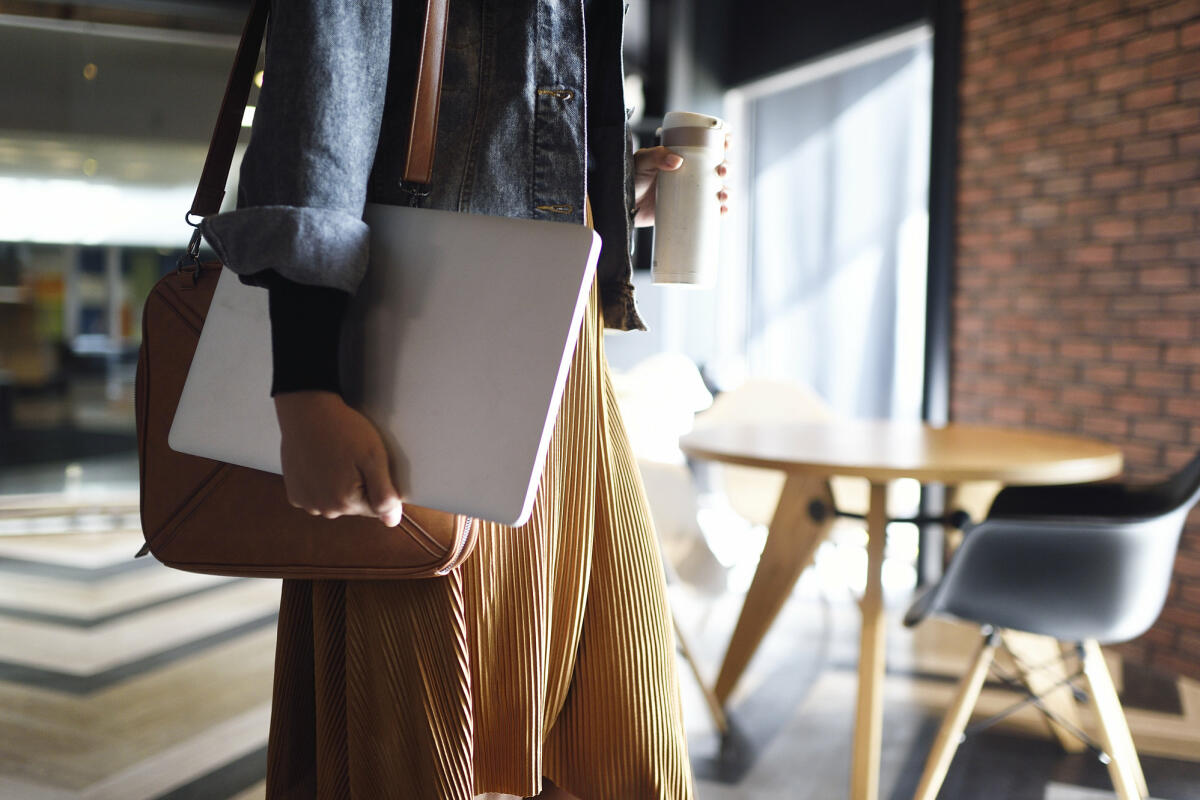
pixel 125 679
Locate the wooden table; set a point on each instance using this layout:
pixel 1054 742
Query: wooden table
pixel 811 453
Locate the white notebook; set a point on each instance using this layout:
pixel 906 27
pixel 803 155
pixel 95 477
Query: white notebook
pixel 458 352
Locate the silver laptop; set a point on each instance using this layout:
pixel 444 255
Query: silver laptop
pixel 458 352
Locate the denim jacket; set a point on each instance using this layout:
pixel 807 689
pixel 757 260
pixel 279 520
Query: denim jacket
pixel 532 117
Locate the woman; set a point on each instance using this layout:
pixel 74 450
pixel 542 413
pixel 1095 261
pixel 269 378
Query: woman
pixel 549 653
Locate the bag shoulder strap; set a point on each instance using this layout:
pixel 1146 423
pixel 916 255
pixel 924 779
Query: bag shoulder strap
pixel 422 138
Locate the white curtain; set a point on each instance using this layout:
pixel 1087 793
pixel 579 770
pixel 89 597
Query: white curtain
pixel 838 227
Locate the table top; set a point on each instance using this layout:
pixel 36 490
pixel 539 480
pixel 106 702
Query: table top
pixel 883 451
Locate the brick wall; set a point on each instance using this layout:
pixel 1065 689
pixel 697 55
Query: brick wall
pixel 1077 305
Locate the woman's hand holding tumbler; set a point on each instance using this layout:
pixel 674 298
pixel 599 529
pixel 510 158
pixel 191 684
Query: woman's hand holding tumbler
pixel 334 460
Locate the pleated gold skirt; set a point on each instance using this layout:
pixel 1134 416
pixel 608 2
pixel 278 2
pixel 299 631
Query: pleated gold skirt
pixel 549 652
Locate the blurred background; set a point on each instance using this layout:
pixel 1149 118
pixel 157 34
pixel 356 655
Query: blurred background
pixel 970 210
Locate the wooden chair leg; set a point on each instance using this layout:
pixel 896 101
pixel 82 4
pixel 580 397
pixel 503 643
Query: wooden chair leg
pixel 714 708
pixel 1039 661
pixel 1123 767
pixel 955 721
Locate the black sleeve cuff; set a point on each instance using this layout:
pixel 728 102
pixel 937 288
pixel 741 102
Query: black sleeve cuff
pixel 306 325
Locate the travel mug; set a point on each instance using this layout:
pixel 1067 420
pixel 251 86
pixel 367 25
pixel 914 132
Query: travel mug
pixel 687 213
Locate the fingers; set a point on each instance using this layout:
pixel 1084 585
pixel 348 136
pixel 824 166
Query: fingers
pixel 652 159
pixel 723 170
pixel 370 492
pixel 381 496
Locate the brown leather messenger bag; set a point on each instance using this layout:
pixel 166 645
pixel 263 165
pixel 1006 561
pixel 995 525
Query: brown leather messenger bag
pixel 207 516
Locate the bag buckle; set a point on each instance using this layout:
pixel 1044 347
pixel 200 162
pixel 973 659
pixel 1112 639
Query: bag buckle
pixel 189 262
pixel 417 192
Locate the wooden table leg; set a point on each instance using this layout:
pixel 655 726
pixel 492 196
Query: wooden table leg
pixel 974 497
pixel 868 723
pixel 792 539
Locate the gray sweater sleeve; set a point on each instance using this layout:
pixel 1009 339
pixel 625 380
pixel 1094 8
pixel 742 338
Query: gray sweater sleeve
pixel 303 179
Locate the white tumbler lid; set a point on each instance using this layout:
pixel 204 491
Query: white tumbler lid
pixel 690 119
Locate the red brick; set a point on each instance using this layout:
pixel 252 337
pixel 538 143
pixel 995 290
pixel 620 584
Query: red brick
pixel 1145 149
pixel 1108 375
pixel 1150 44
pixel 1053 417
pixel 1187 407
pixel 1186 618
pixel 1093 155
pixel 1046 117
pixel 1154 378
pixel 1087 205
pixel 1135 404
pixel 1116 178
pixel 1166 328
pixel 1116 228
pixel 1176 12
pixel 1189 35
pixel 1121 77
pixel 1187 196
pixel 1065 185
pixel 1024 144
pixel 1098 9
pixel 1189 90
pixel 1120 128
pixel 1138 303
pixel 1048 23
pixel 1140 252
pixel 1061 90
pixel 1095 59
pixel 1081 349
pixel 1054 68
pixel 1137 353
pixel 1174 172
pixel 1184 302
pixel 1018 100
pixel 1039 212
pixel 1185 354
pixel 1139 453
pixel 1109 280
pixel 1118 29
pixel 1100 423
pixel 1041 163
pixel 982 21
pixel 1174 119
pixel 1083 396
pixel 1149 96
pixel 1094 108
pixel 1165 277
pixel 1174 66
pixel 1165 224
pixel 1070 41
pixel 1189 250
pixel 1092 254
pixel 1143 200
